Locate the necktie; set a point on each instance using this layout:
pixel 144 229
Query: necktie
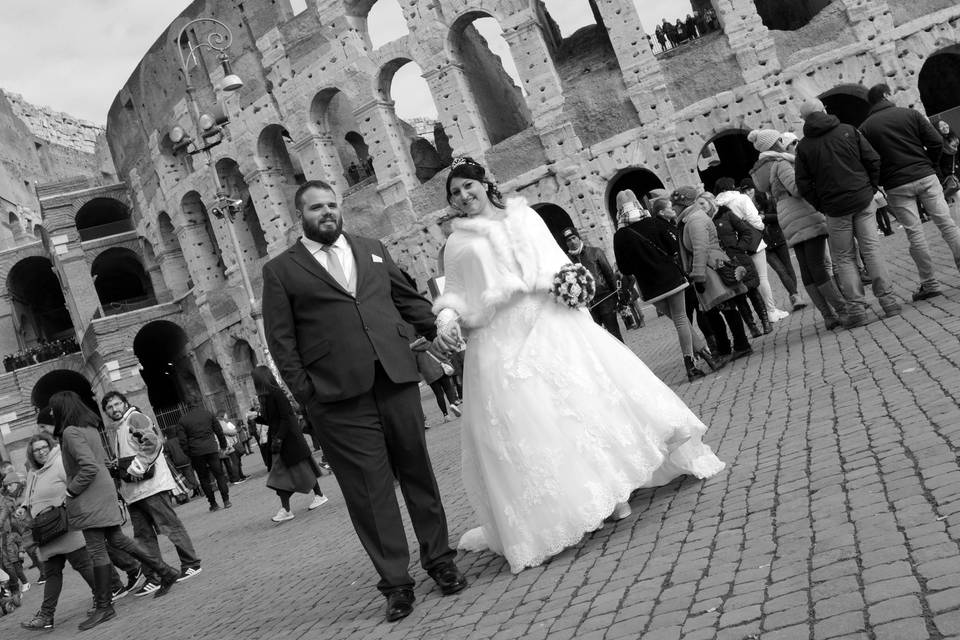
pixel 335 267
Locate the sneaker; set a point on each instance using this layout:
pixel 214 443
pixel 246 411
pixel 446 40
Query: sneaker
pixel 136 580
pixel 456 410
pixel 621 511
pixel 227 504
pixel 25 587
pixel 147 589
pixel 318 501
pixel 282 516
pixel 777 315
pixel 925 293
pixel 167 583
pixel 39 622
pixel 42 581
pixel 188 573
pixel 240 481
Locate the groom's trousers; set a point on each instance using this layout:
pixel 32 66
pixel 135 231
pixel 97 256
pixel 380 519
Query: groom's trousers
pixel 368 440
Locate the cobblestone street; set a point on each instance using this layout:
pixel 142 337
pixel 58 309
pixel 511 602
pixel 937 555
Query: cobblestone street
pixel 837 516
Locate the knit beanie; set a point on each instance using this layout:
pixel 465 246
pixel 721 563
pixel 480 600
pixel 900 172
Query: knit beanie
pixel 11 478
pixel 787 138
pixel 683 197
pixel 763 139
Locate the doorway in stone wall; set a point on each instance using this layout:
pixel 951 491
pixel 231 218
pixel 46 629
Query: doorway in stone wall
pixel 556 219
pixel 63 380
pixel 848 102
pixel 939 85
pixel 637 179
pixel 727 154
pixel 161 347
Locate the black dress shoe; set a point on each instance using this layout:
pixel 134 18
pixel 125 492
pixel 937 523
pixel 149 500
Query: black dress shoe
pixel 399 604
pixel 449 578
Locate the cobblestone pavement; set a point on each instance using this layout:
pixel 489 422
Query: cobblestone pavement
pixel 838 516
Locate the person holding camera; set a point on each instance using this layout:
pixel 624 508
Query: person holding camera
pixel 145 485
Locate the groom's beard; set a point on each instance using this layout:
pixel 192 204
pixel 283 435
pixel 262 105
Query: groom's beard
pixel 314 231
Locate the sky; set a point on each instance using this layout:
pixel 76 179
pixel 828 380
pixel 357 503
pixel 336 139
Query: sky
pixel 73 56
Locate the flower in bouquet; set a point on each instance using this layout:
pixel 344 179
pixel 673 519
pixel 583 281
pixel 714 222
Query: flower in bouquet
pixel 573 286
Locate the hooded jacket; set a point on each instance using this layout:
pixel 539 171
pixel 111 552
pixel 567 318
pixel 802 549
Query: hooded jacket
pixel 837 170
pixel 909 146
pixel 774 174
pixel 46 488
pixel 742 206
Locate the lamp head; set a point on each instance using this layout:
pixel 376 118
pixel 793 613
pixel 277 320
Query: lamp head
pixel 231 81
pixel 177 134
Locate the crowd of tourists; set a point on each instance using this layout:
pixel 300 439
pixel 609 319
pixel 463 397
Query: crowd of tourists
pixel 670 35
pixel 46 350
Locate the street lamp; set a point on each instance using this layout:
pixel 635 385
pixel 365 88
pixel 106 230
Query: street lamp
pixel 209 128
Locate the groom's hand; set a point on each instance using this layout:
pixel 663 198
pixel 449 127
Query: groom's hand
pixel 445 345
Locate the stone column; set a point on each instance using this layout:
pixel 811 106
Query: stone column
pixel 456 108
pixel 748 37
pixel 200 258
pixel 646 83
pixel 868 18
pixel 274 206
pixel 545 98
pixel 387 147
pixel 174 270
pixel 77 284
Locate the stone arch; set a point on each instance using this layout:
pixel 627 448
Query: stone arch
pixel 102 217
pixel 788 15
pixel 415 113
pixel 640 180
pixel 203 253
pixel 497 94
pixel 273 154
pixel 727 154
pixel 161 347
pixel 121 281
pixel 848 102
pixel 62 380
pixel 331 116
pixel 39 307
pixel 219 394
pixel 253 241
pixel 380 21
pixel 556 218
pixel 939 83
pixel 173 265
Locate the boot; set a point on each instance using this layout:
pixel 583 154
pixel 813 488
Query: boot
pixel 714 362
pixel 830 318
pixel 835 300
pixel 752 327
pixel 712 340
pixel 102 578
pixel 797 301
pixel 764 319
pixel 692 372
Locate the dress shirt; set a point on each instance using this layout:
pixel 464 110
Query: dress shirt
pixel 342 249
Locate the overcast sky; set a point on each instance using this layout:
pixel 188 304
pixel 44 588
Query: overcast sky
pixel 74 55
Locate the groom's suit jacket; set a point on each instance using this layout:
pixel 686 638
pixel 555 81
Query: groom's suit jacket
pixel 325 341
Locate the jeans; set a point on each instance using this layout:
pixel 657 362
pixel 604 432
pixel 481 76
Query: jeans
pixel 53 569
pixel 902 203
pixel 444 386
pixel 233 465
pixel 154 514
pixel 677 309
pixel 779 260
pixel 205 466
pixel 99 537
pixel 863 226
pixel 760 262
pixel 728 312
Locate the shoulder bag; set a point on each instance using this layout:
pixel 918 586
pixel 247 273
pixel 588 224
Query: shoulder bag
pixel 951 185
pixel 49 524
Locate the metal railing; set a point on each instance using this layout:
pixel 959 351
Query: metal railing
pixel 104 230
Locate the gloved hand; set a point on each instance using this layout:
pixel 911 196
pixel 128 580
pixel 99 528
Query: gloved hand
pixel 700 287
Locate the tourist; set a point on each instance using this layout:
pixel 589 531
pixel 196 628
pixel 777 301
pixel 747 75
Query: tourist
pixel 603 307
pixel 948 155
pixel 201 437
pixel 437 372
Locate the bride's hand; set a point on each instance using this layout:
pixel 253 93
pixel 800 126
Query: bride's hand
pixel 449 337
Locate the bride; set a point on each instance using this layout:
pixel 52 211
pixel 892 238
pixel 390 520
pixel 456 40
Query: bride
pixel 561 422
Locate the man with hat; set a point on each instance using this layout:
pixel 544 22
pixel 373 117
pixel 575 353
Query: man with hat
pixel 603 309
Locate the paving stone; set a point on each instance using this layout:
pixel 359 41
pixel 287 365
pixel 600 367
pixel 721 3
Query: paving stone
pixel 907 629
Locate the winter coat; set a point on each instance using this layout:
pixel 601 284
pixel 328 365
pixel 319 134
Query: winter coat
pixel 283 429
pixel 700 251
pixel 11 538
pixel 172 446
pixel 595 260
pixel 430 368
pixel 735 237
pixel 138 436
pixel 201 433
pixel 47 487
pixel 774 174
pixel 91 495
pixel 837 170
pixel 909 146
pixel 742 206
pixel 652 258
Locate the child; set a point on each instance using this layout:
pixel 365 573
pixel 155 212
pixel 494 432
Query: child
pixel 11 533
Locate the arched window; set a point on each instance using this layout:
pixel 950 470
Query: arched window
pixel 477 44
pixel 250 234
pixel 556 219
pixel 121 282
pixel 788 15
pixel 102 217
pixel 62 380
pixel 38 302
pixel 161 347
pixel 637 179
pixel 848 102
pixel 728 154
pixel 939 84
pixel 275 154
pixel 385 23
pixel 204 256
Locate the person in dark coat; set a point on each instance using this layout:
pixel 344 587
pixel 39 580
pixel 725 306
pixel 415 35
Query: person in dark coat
pixel 432 371
pixel 838 172
pixel 201 437
pixel 909 148
pixel 92 504
pixel 647 249
pixel 603 308
pixel 292 467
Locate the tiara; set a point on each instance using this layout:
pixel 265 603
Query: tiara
pixel 464 160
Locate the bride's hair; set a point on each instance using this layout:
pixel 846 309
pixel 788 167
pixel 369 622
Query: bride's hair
pixel 470 169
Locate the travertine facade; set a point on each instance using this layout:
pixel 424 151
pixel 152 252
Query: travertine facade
pixel 598 111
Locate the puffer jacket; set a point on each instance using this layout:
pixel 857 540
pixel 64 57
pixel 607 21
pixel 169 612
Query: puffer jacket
pixel 46 488
pixel 743 207
pixel 774 174
pixel 699 251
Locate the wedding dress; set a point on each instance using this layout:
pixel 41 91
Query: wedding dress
pixel 561 421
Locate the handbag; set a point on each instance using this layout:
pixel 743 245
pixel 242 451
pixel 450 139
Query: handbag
pixel 446 366
pixel 951 185
pixel 120 470
pixel 181 494
pixel 730 273
pixel 49 524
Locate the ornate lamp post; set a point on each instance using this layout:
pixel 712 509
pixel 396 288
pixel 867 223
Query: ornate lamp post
pixel 209 129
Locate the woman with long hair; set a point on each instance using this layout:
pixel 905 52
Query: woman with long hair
pixel 292 467
pixel 46 489
pixel 92 505
pixel 555 435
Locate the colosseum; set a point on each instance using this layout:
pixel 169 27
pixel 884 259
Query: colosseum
pixel 161 293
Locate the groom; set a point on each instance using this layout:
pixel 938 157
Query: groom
pixel 336 309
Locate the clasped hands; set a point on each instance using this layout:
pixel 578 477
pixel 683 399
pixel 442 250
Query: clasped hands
pixel 449 336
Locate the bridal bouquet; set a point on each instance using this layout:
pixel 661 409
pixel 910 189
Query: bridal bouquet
pixel 573 286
